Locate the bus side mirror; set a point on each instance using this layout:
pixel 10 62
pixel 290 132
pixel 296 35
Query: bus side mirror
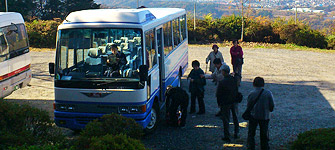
pixel 143 73
pixel 52 68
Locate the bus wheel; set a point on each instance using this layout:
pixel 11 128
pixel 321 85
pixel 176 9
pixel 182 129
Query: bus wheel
pixel 153 120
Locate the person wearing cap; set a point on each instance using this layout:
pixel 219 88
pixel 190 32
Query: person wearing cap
pixel 226 92
pixel 212 55
pixel 236 53
pixel 217 76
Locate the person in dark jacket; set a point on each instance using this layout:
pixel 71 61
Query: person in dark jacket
pixel 226 94
pixel 116 60
pixel 260 114
pixel 197 83
pixel 176 97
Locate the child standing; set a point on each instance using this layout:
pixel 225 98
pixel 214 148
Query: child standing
pixel 197 87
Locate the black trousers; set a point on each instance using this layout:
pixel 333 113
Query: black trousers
pixel 225 116
pixel 264 128
pixel 201 103
pixel 173 110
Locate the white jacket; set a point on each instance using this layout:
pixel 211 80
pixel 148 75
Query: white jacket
pixel 211 56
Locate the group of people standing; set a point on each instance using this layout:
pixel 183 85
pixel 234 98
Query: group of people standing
pixel 226 93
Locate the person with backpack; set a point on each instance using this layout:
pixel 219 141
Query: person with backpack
pixel 260 104
pixel 226 95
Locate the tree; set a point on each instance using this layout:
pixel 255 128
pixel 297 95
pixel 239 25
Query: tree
pixel 27 8
pixel 53 9
pixel 75 5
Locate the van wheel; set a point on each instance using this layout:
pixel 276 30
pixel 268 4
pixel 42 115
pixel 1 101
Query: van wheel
pixel 153 120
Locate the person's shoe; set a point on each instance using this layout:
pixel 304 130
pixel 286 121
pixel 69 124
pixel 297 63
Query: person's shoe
pixel 227 139
pixel 192 112
pixel 218 114
pixel 200 112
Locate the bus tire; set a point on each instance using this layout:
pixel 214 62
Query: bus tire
pixel 151 127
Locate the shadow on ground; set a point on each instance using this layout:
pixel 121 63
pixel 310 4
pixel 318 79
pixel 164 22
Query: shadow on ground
pixel 298 108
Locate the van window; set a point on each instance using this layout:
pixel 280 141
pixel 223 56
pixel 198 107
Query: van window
pixel 3 47
pixel 16 37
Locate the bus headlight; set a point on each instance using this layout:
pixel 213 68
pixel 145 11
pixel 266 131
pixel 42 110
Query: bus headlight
pixel 123 109
pixel 132 109
pixel 64 107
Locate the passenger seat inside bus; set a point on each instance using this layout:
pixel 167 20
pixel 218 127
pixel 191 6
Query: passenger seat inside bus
pixel 93 58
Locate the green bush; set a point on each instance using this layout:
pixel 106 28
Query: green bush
pixel 331 41
pixel 260 30
pixel 39 147
pixel 117 142
pixel 42 33
pixel 230 27
pixel 112 124
pixel 24 125
pixel 302 35
pixel 317 139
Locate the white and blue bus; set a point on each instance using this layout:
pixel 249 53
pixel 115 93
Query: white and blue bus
pixel 155 45
pixel 15 59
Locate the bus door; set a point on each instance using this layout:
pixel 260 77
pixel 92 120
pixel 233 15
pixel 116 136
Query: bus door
pixel 159 35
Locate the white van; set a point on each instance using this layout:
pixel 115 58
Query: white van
pixel 15 59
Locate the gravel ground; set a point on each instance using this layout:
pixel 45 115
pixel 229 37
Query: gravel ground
pixel 302 82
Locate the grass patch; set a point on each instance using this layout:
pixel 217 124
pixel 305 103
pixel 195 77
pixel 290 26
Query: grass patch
pixel 33 49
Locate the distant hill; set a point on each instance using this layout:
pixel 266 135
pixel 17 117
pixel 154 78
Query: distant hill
pixel 202 8
pixel 316 21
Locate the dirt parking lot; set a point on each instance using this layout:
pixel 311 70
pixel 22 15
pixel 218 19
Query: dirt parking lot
pixel 302 82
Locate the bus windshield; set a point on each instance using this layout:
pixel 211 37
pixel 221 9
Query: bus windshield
pixel 99 54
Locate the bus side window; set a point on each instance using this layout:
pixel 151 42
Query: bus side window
pixel 167 38
pixel 150 49
pixel 183 27
pixel 176 34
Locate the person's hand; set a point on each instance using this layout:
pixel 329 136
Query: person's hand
pixel 192 80
pixel 202 75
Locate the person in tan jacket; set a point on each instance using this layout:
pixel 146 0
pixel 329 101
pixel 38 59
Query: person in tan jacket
pixel 212 55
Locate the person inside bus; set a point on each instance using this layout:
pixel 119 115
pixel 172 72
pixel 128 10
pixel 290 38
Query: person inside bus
pixel 116 61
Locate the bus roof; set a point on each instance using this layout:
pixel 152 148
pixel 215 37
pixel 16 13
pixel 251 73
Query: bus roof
pixel 117 17
pixel 7 18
